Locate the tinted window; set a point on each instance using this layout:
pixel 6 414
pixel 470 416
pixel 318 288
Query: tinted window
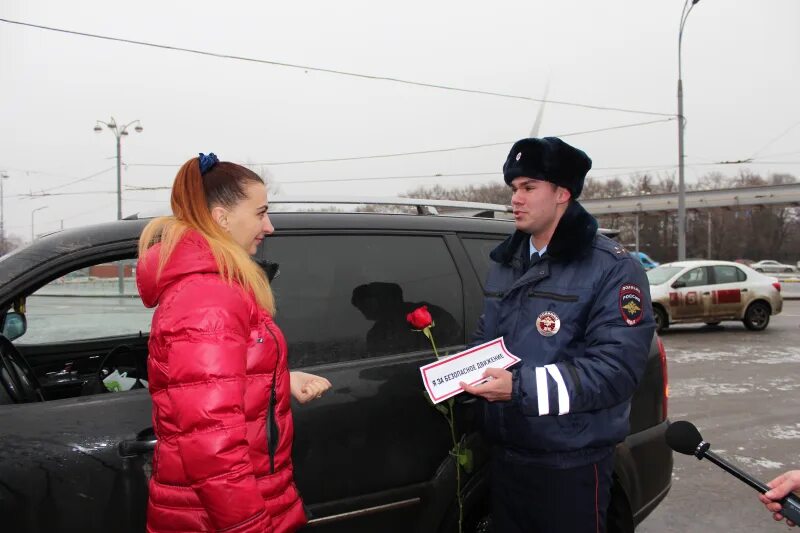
pixel 342 297
pixel 695 277
pixel 88 303
pixel 478 250
pixel 729 274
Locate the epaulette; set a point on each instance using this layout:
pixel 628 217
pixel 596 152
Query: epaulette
pixel 612 247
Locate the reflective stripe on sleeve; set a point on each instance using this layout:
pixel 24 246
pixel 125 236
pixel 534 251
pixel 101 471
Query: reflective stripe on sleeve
pixel 541 391
pixel 563 395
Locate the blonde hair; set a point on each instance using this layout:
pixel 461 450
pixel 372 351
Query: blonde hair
pixel 193 196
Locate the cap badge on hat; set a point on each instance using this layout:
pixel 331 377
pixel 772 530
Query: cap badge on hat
pixel 519 156
pixel 548 323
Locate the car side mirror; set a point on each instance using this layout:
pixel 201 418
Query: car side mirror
pixel 14 326
pixel 678 284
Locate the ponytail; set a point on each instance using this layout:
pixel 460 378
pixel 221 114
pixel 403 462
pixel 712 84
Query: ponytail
pixel 193 195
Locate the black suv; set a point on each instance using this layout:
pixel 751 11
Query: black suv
pixel 372 455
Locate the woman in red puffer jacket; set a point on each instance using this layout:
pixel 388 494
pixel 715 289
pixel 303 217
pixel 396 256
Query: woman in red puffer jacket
pixel 217 364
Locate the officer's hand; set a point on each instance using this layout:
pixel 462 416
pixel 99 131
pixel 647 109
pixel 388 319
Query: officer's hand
pixel 497 389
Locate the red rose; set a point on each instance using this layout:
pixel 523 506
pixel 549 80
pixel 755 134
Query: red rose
pixel 420 318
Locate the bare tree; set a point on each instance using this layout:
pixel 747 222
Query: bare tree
pixel 9 244
pixel 748 232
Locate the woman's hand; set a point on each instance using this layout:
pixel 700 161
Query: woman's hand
pixel 306 387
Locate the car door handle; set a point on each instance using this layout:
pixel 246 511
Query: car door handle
pixel 128 448
pixel 706 293
pixel 744 290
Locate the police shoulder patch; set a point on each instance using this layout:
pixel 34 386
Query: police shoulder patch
pixel 630 304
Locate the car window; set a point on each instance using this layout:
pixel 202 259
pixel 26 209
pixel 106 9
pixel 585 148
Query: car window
pixel 695 277
pixel 478 250
pixel 88 303
pixel 344 297
pixel 661 274
pixel 728 274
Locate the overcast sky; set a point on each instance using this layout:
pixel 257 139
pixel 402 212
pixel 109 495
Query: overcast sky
pixel 741 72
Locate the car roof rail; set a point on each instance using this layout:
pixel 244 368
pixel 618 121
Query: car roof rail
pixel 424 206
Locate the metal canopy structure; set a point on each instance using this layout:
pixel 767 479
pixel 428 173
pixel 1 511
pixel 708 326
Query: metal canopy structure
pixel 767 195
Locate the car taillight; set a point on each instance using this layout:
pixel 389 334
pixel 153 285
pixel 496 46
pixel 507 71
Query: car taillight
pixel 777 286
pixel 662 354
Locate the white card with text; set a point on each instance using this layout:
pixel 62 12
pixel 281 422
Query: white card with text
pixel 442 377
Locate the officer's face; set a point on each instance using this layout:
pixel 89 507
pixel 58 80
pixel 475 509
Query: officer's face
pixel 537 204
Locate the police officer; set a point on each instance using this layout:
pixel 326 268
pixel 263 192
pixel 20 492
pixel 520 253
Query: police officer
pixel 575 307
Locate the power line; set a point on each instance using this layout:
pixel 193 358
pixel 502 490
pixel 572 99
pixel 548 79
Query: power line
pixel 379 178
pixel 331 71
pixel 77 193
pixel 418 152
pixel 773 141
pixel 52 220
pixel 784 154
pixel 78 180
pixel 633 169
pixel 63 184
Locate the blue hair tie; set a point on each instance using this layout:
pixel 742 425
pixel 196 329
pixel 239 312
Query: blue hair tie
pixel 207 162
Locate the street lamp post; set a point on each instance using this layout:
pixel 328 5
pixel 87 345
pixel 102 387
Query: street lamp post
pixel 3 177
pixel 687 8
pixel 33 234
pixel 119 131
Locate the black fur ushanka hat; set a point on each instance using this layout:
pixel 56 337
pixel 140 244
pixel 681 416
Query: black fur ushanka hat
pixel 549 159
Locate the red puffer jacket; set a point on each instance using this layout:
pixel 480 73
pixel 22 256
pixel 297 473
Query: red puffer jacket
pixel 213 355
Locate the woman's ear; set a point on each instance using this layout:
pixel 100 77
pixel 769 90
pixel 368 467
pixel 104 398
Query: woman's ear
pixel 220 216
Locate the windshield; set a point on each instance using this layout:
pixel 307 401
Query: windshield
pixel 662 274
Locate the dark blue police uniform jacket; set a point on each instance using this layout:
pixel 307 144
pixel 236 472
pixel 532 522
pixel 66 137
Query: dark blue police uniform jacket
pixel 581 320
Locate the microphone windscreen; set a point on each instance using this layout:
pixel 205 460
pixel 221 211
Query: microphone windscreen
pixel 683 437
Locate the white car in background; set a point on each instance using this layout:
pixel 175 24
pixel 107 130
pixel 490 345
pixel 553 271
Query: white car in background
pixel 768 265
pixel 713 291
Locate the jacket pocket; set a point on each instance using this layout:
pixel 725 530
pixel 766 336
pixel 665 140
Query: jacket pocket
pixel 490 294
pixel 553 296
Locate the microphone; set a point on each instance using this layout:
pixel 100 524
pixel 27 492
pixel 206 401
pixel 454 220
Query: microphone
pixel 683 437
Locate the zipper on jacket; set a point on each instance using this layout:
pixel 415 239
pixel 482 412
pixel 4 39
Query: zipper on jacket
pixel 553 296
pixel 273 433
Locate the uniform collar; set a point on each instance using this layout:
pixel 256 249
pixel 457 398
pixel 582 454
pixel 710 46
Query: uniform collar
pixel 572 239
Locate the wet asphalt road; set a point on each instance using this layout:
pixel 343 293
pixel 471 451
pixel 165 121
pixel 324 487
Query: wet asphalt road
pixel 742 390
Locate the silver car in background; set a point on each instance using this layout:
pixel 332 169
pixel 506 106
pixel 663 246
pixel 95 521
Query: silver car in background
pixel 712 291
pixel 768 265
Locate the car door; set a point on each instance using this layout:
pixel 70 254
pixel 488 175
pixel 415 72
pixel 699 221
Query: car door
pixel 78 461
pixel 729 291
pixel 365 453
pixel 81 320
pixel 767 266
pixel 690 294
